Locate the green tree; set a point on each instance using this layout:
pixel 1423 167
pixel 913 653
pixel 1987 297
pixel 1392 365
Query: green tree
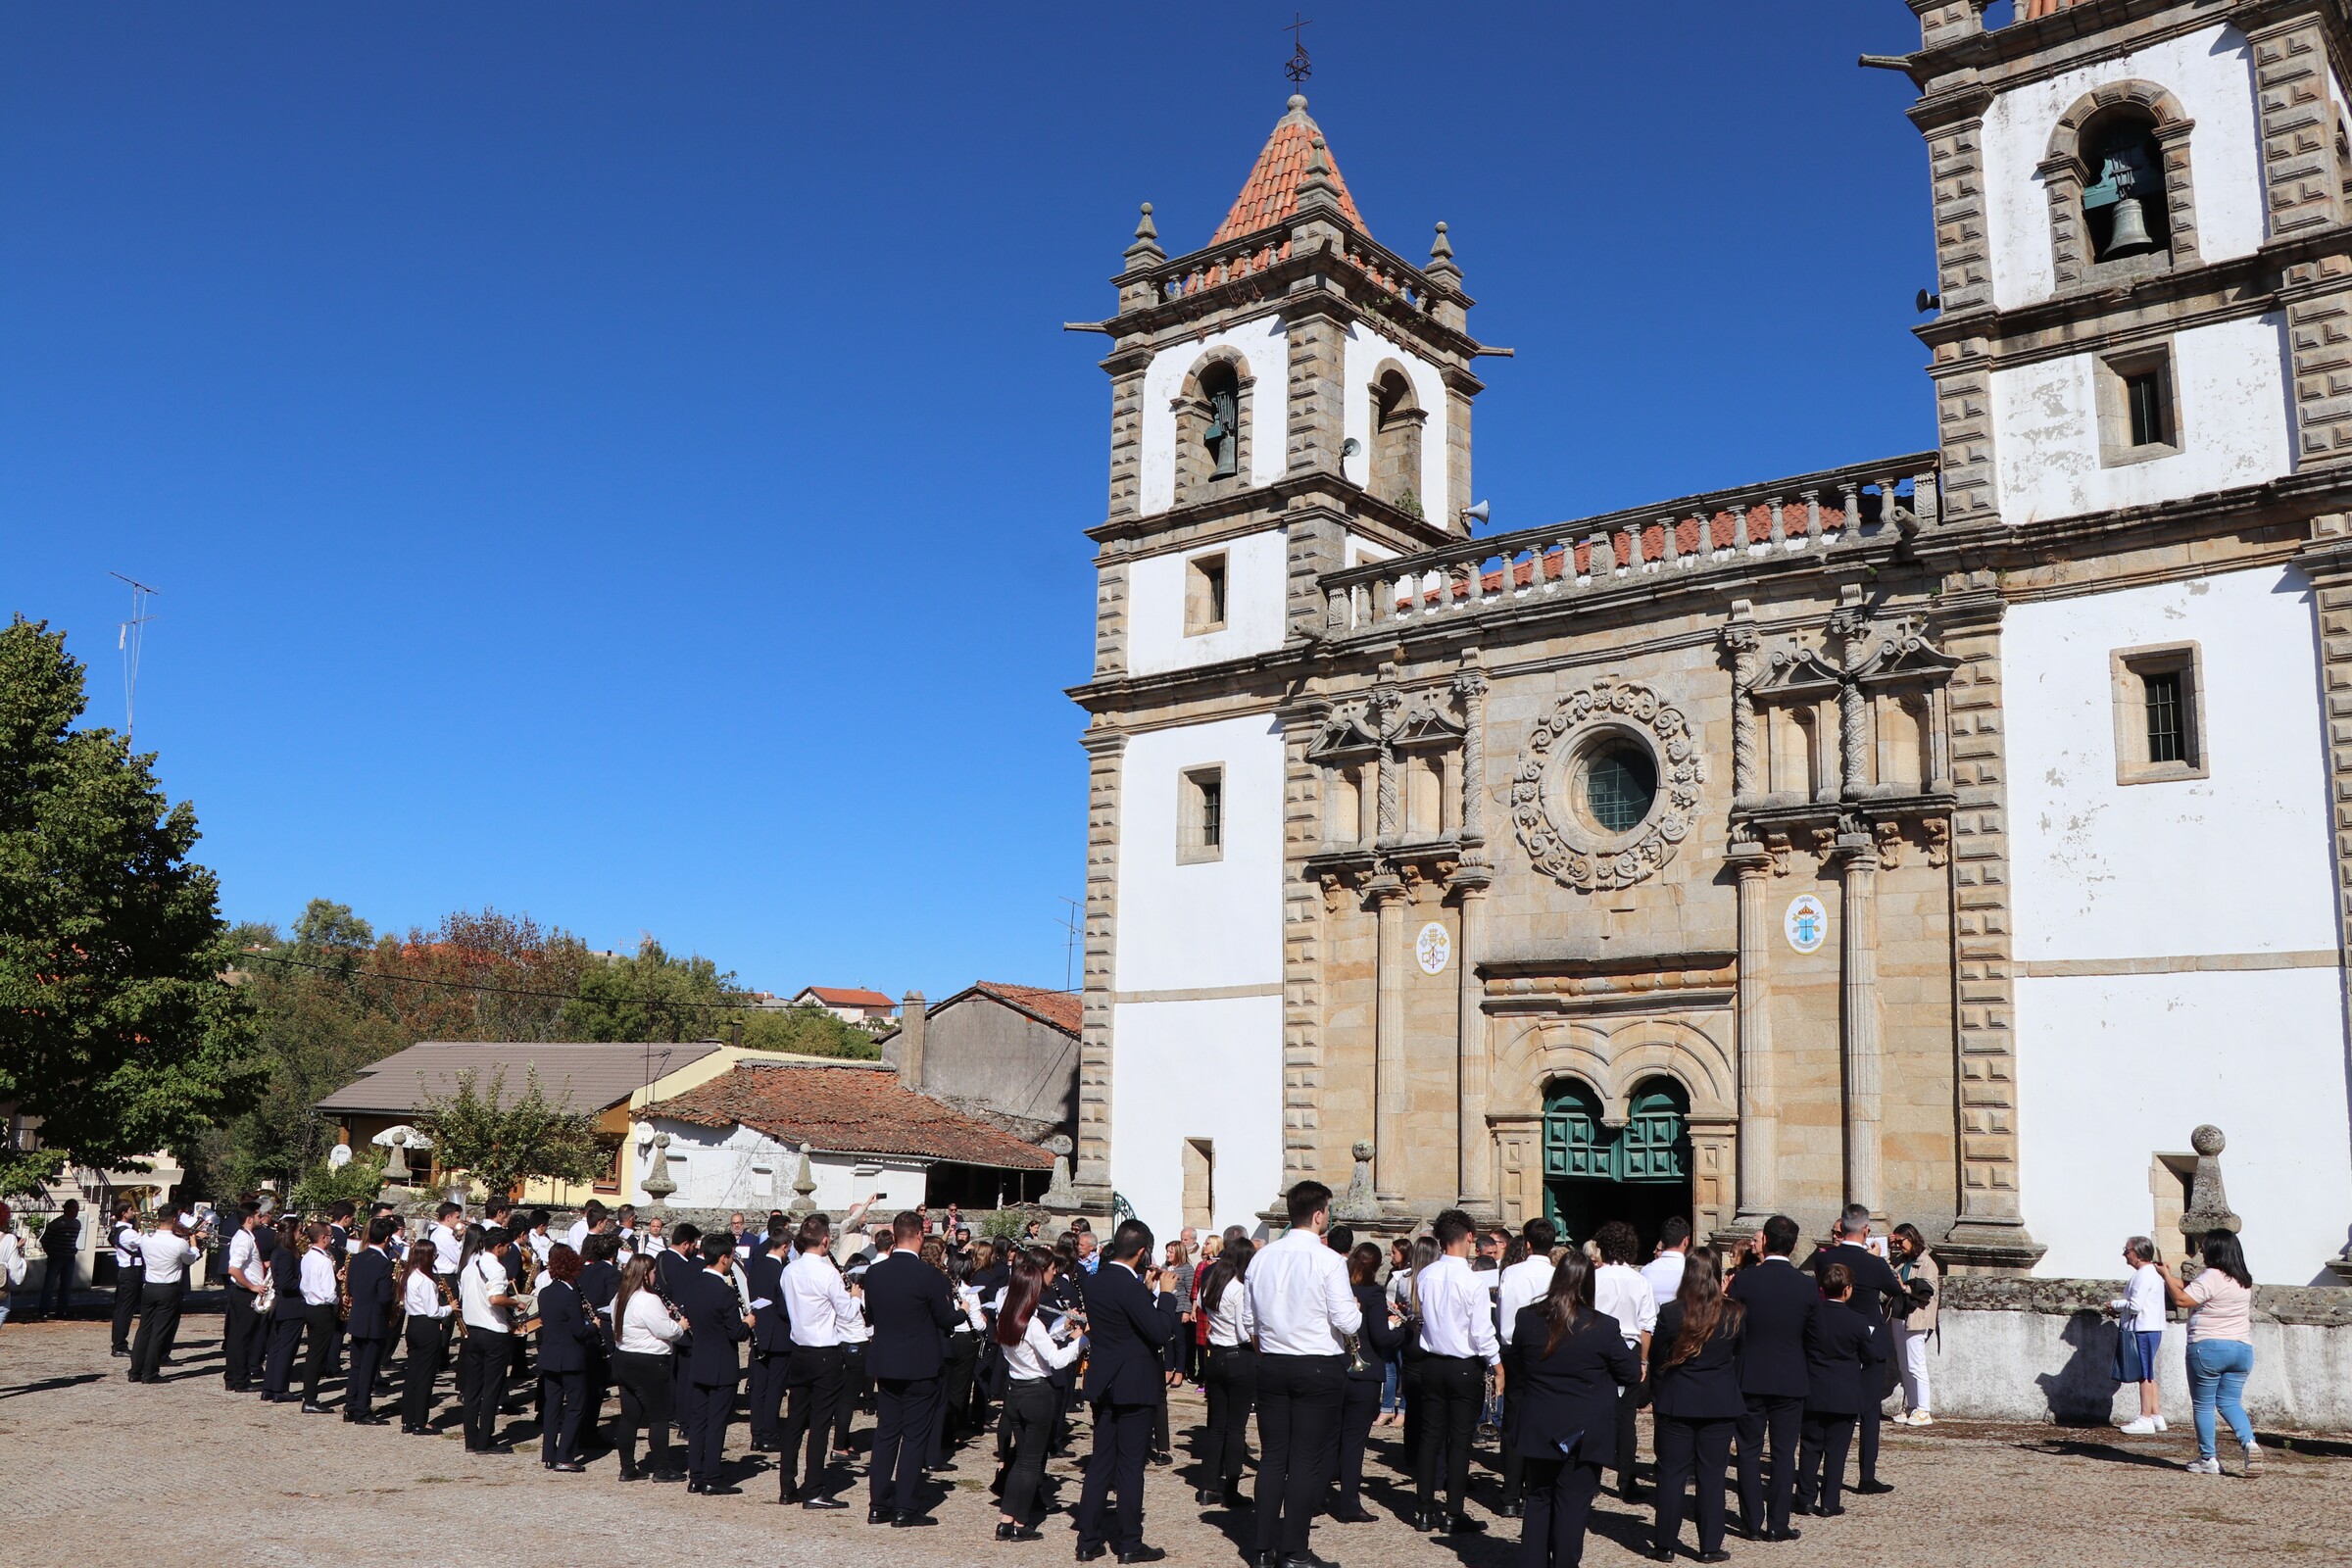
pixel 326 1184
pixel 500 1145
pixel 123 1036
pixel 649 997
pixel 807 1030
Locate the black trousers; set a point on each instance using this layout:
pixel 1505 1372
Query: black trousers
pixel 1297 1429
pixel 705 1423
pixel 646 1385
pixel 1688 1448
pixel 1359 1403
pixel 1122 1443
pixel 956 1394
pixel 159 1325
pixel 1030 1406
pixel 564 1395
pixel 1629 1446
pixel 902 1440
pixel 367 1359
pixel 1514 1405
pixel 423 1368
pixel 1231 1383
pixel 1820 1459
pixel 856 1388
pixel 813 1378
pixel 1452 1388
pixel 1764 1495
pixel 240 1324
pixel 319 1331
pixel 764 1396
pixel 484 1369
pixel 1869 1424
pixel 129 1283
pixel 286 1338
pixel 1560 1501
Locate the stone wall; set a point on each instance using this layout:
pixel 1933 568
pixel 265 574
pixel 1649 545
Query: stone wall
pixel 2028 1349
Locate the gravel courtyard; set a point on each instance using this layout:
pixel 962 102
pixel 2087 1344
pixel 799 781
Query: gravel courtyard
pixel 92 1467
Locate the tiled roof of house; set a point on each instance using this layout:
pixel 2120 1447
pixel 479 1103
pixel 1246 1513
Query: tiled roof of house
pixel 1271 192
pixel 848 1110
pixel 1062 1009
pixel 851 997
pixel 584 1076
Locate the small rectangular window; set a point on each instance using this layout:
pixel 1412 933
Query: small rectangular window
pixel 1200 815
pixel 2143 394
pixel 2159 713
pixel 1204 594
pixel 2139 413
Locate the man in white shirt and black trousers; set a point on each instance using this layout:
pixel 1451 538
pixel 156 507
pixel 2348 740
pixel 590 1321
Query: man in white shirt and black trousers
pixel 1458 1344
pixel 819 1311
pixel 130 1271
pixel 1304 1309
pixel 164 1253
pixel 241 1327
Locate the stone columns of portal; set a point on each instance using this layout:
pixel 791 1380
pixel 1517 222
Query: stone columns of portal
pixel 1759 1100
pixel 1859 923
pixel 1469 883
pixel 1389 897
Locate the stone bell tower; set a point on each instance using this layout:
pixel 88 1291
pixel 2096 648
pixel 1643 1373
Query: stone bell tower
pixel 1289 400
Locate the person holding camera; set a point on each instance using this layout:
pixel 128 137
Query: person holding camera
pixel 1915 1266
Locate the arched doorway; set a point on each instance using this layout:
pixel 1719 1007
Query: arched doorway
pixel 1639 1172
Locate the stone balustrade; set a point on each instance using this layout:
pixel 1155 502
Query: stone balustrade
pixel 1220 265
pixel 1729 531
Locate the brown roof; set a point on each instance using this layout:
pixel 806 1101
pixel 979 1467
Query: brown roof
pixel 848 1110
pixel 1271 192
pixel 835 996
pixel 585 1076
pixel 1060 1009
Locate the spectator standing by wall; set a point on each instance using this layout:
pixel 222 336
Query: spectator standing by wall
pixel 1913 1330
pixel 2219 1302
pixel 2139 1327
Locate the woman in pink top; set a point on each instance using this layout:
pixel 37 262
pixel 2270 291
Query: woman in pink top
pixel 2219 1302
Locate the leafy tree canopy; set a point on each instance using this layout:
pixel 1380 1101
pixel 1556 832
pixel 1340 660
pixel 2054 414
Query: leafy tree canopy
pixel 476 1129
pixel 122 1036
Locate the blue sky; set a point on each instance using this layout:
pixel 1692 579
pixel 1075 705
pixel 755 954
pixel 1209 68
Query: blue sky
pixel 622 462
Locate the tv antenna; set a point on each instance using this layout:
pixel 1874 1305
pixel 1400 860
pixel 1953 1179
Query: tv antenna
pixel 129 635
pixel 1299 68
pixel 1070 924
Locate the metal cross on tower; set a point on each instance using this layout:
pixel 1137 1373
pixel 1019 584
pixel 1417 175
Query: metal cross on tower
pixel 1299 68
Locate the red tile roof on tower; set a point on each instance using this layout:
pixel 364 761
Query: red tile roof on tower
pixel 1271 192
pixel 1060 1009
pixel 846 1109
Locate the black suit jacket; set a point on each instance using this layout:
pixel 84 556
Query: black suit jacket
pixel 1781 1301
pixel 285 1277
pixel 566 1330
pixel 771 1326
pixel 715 1323
pixel 1573 1389
pixel 907 1302
pixel 369 1282
pixel 600 1283
pixel 1381 1343
pixel 1705 1388
pixel 1126 1331
pixel 1847 1338
pixel 1877 1285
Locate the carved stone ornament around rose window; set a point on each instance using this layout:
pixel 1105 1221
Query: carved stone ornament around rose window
pixel 1573 851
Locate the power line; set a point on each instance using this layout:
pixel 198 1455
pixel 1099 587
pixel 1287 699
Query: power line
pixel 504 991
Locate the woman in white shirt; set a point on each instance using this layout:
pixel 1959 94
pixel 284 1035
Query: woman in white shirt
pixel 644 1354
pixel 1032 1355
pixel 12 1260
pixel 2140 1314
pixel 1230 1379
pixel 428 1310
pixel 486 1303
pixel 320 1291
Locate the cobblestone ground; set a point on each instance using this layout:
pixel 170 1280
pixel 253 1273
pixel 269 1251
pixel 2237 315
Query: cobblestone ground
pixel 94 1468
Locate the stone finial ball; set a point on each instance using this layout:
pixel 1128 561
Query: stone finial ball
pixel 1297 104
pixel 2208 1140
pixel 1363 1148
pixel 1058 1143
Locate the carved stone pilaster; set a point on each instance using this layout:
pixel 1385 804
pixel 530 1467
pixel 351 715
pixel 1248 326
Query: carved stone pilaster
pixel 1470 690
pixel 1104 756
pixel 1759 1104
pixel 1389 897
pixel 1475 1177
pixel 1745 647
pixel 1858 1023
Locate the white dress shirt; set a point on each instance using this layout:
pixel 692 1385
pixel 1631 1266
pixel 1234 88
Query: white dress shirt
pixel 422 1299
pixel 1456 1313
pixel 820 1307
pixel 1230 1321
pixel 126 1244
pixel 1619 1289
pixel 577 1236
pixel 1299 1298
pixel 244 1260
pixel 1039 1354
pixel 447 1246
pixel 1665 1275
pixel 484 1278
pixel 2144 1299
pixel 317 1278
pixel 1524 1284
pixel 166 1257
pixel 646 1326
pixel 12 1260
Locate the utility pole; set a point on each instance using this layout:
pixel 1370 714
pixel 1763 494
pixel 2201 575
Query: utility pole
pixel 1069 947
pixel 129 635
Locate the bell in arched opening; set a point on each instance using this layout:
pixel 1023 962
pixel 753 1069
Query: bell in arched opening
pixel 2125 208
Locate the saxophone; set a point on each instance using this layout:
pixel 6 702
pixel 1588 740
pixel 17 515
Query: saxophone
pixel 449 1299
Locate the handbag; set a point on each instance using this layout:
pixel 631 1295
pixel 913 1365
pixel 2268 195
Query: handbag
pixel 2127 1368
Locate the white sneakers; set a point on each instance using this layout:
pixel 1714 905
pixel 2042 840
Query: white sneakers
pixel 2204 1467
pixel 1917 1418
pixel 2253 1459
pixel 2160 1425
pixel 2144 1427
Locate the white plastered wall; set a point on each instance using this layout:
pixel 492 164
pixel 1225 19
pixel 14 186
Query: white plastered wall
pixel 738 1167
pixel 1256 589
pixel 2210 71
pixel 2116 1068
pixel 1365 353
pixel 1265 347
pixel 1189 1057
pixel 2231 384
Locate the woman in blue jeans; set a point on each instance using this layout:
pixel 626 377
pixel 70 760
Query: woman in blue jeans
pixel 2219 1302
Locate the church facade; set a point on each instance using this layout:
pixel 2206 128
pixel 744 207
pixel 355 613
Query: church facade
pixel 1953 832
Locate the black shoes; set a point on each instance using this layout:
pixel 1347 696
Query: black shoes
pixel 1513 1510
pixel 630 1472
pixel 1717 1555
pixel 1142 1554
pixel 1203 1497
pixel 1018 1532
pixel 1087 1554
pixel 1353 1516
pixel 720 1489
pixel 1785 1534
pixel 1163 1456
pixel 1461 1524
pixel 307 1408
pixel 1233 1495
pixel 877 1516
pixel 1874 1489
pixel 819 1504
pixel 659 1477
pixel 570 1467
pixel 910 1521
pixel 1659 1554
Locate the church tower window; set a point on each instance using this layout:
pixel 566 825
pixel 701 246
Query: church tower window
pixel 1200 815
pixel 1221 436
pixel 2159 713
pixel 1397 421
pixel 2124 206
